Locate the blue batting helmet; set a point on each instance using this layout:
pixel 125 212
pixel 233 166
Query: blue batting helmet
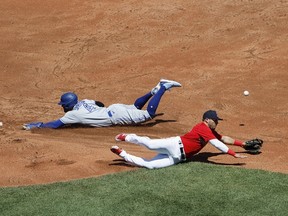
pixel 68 100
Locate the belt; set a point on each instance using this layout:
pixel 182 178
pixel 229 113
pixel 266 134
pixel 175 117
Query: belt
pixel 183 155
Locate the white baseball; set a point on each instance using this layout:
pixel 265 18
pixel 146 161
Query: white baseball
pixel 1 124
pixel 246 93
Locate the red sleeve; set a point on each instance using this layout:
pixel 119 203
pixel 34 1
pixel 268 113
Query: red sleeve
pixel 206 133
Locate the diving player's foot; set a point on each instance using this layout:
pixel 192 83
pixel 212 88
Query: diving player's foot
pixel 120 137
pixel 116 150
pixel 155 89
pixel 168 84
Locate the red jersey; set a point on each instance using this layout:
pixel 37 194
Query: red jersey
pixel 197 138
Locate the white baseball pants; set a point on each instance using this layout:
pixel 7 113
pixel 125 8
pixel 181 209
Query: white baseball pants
pixel 168 151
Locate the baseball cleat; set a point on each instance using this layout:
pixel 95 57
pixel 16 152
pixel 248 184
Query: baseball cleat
pixel 120 137
pixel 168 84
pixel 116 150
pixel 155 89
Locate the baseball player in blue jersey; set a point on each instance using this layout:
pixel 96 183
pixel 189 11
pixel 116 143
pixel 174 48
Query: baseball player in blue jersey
pixel 95 114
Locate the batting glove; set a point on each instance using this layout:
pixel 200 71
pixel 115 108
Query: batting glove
pixel 31 125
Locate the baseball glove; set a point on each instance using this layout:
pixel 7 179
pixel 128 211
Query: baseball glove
pixel 253 146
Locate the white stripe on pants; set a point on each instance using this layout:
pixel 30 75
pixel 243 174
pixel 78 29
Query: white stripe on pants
pixel 168 149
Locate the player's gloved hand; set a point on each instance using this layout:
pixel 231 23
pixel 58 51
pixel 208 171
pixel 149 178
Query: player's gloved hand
pixel 31 125
pixel 253 146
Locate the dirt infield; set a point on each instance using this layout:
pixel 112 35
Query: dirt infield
pixel 115 51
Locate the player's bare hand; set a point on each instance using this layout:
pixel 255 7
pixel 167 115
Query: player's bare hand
pixel 240 156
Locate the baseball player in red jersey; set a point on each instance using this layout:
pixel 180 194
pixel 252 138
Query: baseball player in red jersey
pixel 178 149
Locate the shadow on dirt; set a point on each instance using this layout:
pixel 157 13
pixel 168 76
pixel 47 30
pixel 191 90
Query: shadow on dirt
pixel 201 157
pixel 121 162
pixel 204 158
pixel 158 121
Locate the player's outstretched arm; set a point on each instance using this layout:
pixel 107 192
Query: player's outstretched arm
pixel 223 148
pixel 52 124
pixel 230 141
pixel 252 146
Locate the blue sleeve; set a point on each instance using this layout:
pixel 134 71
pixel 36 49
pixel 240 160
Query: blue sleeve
pixel 53 124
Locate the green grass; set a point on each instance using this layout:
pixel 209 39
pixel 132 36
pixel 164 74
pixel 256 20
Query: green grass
pixel 185 189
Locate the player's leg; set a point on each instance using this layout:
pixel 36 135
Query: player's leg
pixel 141 101
pixel 155 100
pixel 159 161
pixel 168 146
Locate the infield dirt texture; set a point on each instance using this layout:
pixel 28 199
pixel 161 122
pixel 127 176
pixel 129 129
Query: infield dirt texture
pixel 115 51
